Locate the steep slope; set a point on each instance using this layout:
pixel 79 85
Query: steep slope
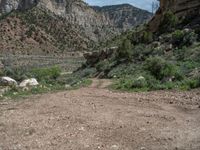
pixel 52 26
pixel 124 16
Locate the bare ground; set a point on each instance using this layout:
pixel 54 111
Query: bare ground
pixel 95 118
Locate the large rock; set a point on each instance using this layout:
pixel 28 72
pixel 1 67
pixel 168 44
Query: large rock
pixel 7 81
pixel 29 82
pixel 94 57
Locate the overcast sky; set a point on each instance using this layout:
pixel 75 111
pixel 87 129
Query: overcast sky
pixel 144 4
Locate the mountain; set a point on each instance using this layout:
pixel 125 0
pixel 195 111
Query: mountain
pixel 53 26
pixel 124 16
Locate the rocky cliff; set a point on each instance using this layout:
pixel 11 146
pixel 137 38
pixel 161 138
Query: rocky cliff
pixel 181 8
pixel 124 16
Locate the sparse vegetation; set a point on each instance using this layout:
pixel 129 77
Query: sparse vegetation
pixel 147 62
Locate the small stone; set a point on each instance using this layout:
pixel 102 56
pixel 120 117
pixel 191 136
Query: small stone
pixel 115 147
pixel 67 86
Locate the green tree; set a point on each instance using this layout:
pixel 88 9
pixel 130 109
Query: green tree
pixel 125 49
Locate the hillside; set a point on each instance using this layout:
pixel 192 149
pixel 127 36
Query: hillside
pixel 52 27
pixel 163 54
pixel 124 16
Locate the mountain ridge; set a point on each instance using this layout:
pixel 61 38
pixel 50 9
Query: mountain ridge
pixel 66 25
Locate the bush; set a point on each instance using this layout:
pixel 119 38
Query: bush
pixel 131 83
pixel 160 68
pixel 177 37
pixel 147 37
pixel 125 50
pixel 46 74
pixel 140 52
pixel 183 38
pixel 103 66
pixel 15 73
pixel 168 23
pixel 139 83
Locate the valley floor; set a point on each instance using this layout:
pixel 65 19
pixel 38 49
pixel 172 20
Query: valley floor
pixel 94 117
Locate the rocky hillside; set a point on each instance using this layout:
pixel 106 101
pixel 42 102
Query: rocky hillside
pixel 43 26
pixel 124 16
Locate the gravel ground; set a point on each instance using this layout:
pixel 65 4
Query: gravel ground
pixel 95 118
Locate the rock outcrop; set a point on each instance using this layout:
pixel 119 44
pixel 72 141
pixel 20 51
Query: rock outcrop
pixel 124 16
pixel 181 8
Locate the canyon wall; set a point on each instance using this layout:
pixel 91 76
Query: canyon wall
pixel 181 8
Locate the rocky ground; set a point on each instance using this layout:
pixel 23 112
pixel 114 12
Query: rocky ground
pixel 94 117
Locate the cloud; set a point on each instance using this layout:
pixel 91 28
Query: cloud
pixel 144 4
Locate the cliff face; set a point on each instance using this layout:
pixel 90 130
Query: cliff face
pixel 124 16
pixel 181 8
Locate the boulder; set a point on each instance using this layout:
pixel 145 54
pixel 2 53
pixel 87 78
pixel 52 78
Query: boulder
pixel 7 81
pixel 29 82
pixel 67 86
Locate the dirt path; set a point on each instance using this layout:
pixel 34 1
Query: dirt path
pixel 95 118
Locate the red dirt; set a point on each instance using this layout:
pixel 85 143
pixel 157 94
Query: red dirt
pixel 95 118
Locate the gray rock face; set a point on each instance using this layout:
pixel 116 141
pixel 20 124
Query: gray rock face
pixel 124 16
pixel 7 6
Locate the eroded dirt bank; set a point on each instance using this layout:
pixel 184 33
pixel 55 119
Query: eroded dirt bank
pixel 95 118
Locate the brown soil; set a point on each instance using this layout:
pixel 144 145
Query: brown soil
pixel 95 118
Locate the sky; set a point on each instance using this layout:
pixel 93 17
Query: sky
pixel 144 4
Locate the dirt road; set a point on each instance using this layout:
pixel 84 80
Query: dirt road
pixel 95 118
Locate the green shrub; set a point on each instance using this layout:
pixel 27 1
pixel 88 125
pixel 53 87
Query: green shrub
pixel 160 68
pixel 139 83
pixel 188 84
pixel 147 37
pixel 189 38
pixel 177 37
pixel 141 52
pixel 182 38
pixel 103 66
pixel 46 74
pixel 168 23
pixel 125 50
pixel 16 73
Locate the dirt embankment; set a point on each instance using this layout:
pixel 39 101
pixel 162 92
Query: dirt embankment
pixel 95 118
